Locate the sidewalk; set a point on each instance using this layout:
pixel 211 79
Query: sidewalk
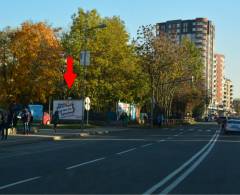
pixel 50 135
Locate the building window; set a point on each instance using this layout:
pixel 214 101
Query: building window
pixel 185 27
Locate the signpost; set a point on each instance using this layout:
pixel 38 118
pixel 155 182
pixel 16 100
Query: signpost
pixel 87 106
pixel 85 58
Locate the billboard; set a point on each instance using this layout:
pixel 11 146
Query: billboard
pixel 68 109
pixel 36 111
pixel 130 109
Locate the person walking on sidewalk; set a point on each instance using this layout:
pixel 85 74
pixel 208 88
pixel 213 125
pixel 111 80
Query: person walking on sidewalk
pixel 7 122
pixel 24 118
pixel 55 120
pixel 160 119
pixel 2 124
pixel 30 120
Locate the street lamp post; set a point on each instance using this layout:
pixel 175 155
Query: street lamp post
pixel 100 26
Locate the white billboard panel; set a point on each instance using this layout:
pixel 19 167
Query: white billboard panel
pixel 68 109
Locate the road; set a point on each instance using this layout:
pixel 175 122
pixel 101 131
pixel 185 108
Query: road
pixel 195 159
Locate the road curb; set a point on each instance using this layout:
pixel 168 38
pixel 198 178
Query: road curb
pixel 60 137
pixel 10 143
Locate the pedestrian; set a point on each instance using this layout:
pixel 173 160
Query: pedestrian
pixel 6 123
pixel 2 124
pixel 55 120
pixel 160 120
pixel 30 120
pixel 24 118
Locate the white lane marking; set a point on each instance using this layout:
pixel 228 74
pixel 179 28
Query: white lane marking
pixel 190 169
pixel 100 139
pixel 146 145
pixel 85 163
pixel 188 140
pixel 125 151
pixel 178 134
pixel 208 130
pixel 178 170
pixel 162 140
pixel 160 135
pixel 19 182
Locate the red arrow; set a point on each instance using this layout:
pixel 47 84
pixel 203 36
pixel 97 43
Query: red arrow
pixel 70 76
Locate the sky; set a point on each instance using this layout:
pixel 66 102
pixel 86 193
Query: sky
pixel 225 14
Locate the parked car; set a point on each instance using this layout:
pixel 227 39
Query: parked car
pixel 232 125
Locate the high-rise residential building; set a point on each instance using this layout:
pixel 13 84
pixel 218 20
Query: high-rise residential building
pixel 218 81
pixel 228 95
pixel 201 31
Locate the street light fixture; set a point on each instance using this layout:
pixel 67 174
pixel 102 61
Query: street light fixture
pixel 100 26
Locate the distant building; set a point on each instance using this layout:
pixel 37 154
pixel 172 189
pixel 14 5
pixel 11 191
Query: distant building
pixel 201 31
pixel 218 81
pixel 228 95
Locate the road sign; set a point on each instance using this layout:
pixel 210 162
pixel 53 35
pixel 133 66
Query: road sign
pixel 87 100
pixel 87 107
pixel 85 58
pixel 87 103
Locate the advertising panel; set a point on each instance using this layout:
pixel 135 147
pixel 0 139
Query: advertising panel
pixel 130 109
pixel 68 109
pixel 37 112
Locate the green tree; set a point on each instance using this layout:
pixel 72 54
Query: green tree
pixel 7 67
pixel 168 64
pixel 113 74
pixel 190 95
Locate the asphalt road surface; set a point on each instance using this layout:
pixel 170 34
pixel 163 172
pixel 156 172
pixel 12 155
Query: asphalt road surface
pixel 196 159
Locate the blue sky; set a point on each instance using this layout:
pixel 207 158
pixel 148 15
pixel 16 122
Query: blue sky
pixel 225 14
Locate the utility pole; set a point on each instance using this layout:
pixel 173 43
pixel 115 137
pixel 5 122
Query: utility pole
pixel 86 30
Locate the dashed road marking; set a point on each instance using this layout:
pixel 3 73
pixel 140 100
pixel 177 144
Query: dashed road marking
pixel 85 163
pixel 19 182
pixel 146 145
pixel 125 151
pixel 208 130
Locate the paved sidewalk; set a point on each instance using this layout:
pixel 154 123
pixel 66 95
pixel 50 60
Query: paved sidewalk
pixel 50 135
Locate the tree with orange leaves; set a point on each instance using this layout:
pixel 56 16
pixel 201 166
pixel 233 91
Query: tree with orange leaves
pixel 34 68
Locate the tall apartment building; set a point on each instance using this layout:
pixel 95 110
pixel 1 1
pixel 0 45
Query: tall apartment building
pixel 201 31
pixel 218 81
pixel 228 95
